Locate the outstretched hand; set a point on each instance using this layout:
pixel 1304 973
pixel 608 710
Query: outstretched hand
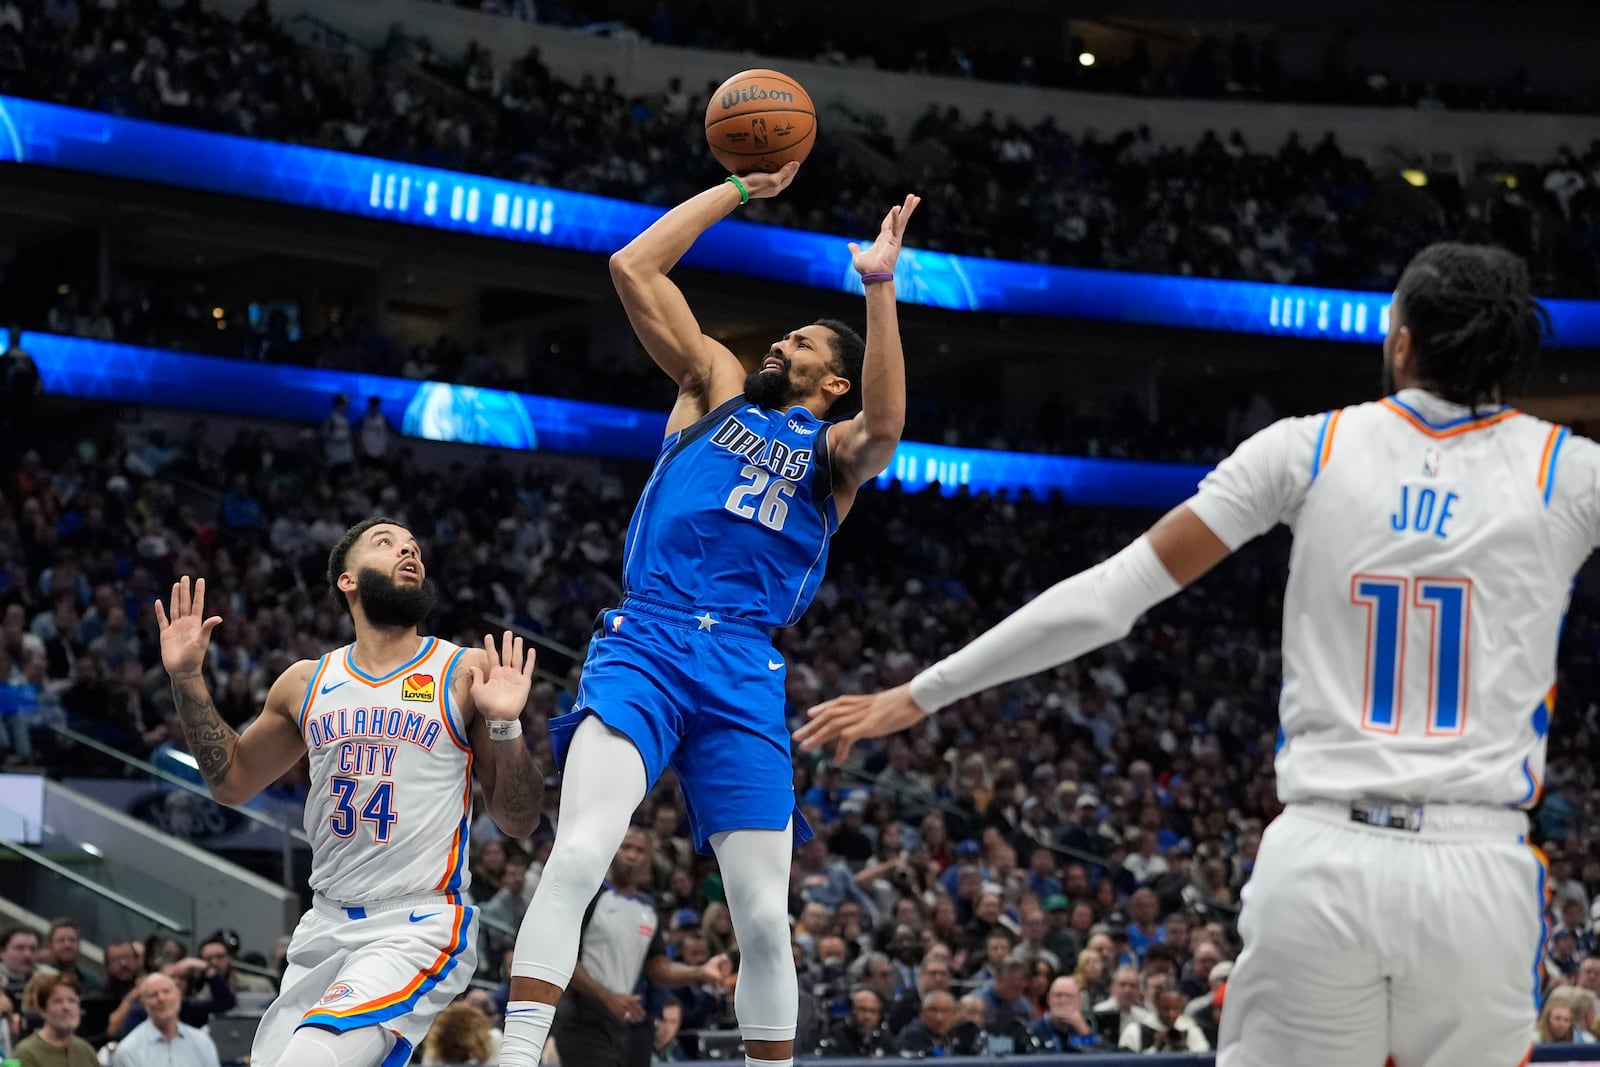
pixel 185 630
pixel 881 255
pixel 848 719
pixel 500 685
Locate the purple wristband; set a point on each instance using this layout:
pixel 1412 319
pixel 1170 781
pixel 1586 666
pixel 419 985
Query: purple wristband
pixel 881 276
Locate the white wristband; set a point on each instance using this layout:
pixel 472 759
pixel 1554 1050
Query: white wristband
pixel 505 730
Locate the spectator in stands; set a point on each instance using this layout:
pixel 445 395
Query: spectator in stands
pixel 124 967
pixel 929 1034
pixel 204 990
pixel 375 433
pixel 61 955
pixel 161 1040
pixel 1589 974
pixel 219 954
pixel 1064 1027
pixel 1555 1022
pixel 862 1033
pixel 1122 1008
pixel 1031 946
pixel 1207 1011
pixel 56 1043
pixel 665 1047
pixel 1003 995
pixel 460 1035
pixel 1173 1031
pixel 1195 978
pixel 506 907
pixel 18 948
pixel 338 449
pixel 933 976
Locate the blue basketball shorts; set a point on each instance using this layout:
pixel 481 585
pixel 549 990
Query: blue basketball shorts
pixel 703 694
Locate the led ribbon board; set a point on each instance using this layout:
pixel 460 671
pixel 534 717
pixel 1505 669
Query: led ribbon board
pixel 464 414
pixel 90 142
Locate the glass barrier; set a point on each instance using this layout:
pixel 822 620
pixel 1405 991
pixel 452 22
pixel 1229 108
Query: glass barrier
pixel 111 901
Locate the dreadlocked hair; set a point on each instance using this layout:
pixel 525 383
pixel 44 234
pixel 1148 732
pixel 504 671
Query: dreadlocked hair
pixel 1473 319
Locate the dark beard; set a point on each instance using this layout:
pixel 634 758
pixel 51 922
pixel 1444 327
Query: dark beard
pixel 769 389
pixel 386 603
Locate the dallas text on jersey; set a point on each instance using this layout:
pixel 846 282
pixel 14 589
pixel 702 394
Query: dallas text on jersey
pixel 777 457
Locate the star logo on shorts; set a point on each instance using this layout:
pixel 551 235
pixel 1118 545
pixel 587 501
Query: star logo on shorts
pixel 706 621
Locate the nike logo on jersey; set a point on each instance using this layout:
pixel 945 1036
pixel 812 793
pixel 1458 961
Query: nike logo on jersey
pixel 771 666
pixel 330 688
pixel 414 917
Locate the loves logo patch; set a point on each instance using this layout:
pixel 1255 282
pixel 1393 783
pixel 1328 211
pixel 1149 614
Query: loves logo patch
pixel 417 687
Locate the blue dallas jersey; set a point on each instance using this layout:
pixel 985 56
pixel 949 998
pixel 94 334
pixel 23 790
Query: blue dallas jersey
pixel 736 516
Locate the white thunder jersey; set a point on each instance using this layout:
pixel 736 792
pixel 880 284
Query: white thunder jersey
pixel 1434 554
pixel 391 778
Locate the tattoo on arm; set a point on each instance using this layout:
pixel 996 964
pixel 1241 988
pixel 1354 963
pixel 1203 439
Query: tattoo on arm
pixel 211 741
pixel 519 785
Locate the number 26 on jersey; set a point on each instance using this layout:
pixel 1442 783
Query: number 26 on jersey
pixel 1389 601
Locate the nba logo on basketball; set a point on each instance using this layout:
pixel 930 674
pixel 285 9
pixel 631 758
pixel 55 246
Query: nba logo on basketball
pixel 417 687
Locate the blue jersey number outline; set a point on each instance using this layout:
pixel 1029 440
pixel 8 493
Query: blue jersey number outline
pixel 378 810
pixel 1386 600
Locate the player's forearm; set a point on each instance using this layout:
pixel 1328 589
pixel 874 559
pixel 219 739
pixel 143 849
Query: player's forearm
pixel 212 742
pixel 883 369
pixel 669 975
pixel 658 249
pixel 518 800
pixel 1072 617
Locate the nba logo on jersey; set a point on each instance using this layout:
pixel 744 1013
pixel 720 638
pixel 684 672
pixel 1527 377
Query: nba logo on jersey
pixel 1430 463
pixel 417 687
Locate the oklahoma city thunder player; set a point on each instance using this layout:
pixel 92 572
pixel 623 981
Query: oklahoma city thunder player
pixel 729 539
pixel 394 725
pixel 1394 908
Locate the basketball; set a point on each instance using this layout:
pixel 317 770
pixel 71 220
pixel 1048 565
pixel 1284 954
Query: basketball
pixel 758 120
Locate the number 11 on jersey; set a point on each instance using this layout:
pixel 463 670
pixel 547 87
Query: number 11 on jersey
pixel 1388 601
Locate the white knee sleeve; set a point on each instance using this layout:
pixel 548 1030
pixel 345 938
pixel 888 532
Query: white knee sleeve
pixel 602 783
pixel 755 877
pixel 312 1046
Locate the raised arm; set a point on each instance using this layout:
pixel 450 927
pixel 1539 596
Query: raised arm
pixel 1260 485
pixel 236 767
pixel 493 689
pixel 705 371
pixel 863 446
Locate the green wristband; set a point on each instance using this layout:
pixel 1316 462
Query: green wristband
pixel 744 194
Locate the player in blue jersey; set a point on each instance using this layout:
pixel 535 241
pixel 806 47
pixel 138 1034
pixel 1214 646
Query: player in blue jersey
pixel 729 539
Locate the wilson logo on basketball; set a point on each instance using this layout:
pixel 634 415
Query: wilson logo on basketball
pixel 417 687
pixel 735 97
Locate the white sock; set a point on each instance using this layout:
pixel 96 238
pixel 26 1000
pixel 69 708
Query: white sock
pixel 527 1028
pixel 751 1061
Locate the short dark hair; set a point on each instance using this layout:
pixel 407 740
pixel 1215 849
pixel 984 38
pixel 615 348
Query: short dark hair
pixel 341 552
pixel 9 934
pixel 60 924
pixel 849 350
pixel 1473 319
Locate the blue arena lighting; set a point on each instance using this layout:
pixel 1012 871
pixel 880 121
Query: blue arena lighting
pixel 90 142
pixel 464 414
